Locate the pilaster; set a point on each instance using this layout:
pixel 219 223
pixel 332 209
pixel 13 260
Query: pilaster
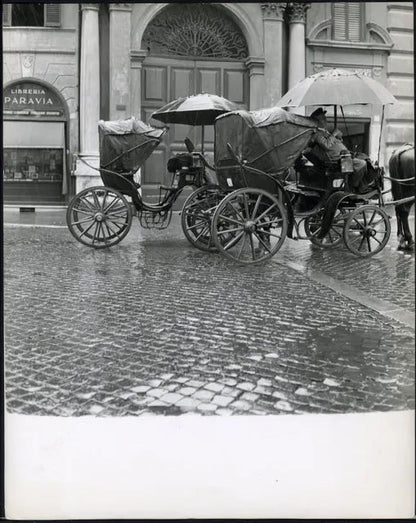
pixel 89 95
pixel 297 21
pixel 136 67
pixel 120 35
pixel 255 68
pixel 273 16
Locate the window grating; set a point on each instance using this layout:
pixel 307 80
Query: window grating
pixel 197 30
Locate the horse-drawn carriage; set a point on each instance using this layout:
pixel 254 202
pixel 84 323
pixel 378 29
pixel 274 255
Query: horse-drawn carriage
pixel 267 191
pixel 101 216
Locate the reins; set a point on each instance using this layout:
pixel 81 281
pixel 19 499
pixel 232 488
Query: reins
pixel 397 180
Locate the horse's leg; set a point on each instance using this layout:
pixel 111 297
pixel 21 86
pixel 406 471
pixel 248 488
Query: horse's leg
pixel 399 221
pixel 408 242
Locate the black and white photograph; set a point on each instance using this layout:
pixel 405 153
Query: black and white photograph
pixel 208 260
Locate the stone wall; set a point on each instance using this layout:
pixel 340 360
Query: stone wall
pixel 49 54
pixel 400 73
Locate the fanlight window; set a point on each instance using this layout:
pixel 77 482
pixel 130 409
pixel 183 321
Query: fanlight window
pixel 194 30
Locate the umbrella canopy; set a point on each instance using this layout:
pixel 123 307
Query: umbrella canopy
pixel 336 87
pixel 199 109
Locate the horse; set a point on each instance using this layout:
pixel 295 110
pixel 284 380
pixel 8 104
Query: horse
pixel 402 176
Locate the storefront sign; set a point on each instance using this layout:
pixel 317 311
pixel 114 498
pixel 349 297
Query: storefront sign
pixel 31 99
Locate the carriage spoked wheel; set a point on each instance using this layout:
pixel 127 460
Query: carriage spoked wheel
pixel 333 238
pixel 99 217
pixel 249 226
pixel 196 216
pixel 367 230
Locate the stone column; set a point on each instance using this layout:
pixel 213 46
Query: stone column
pixel 273 14
pixel 297 20
pixel 136 65
pixel 120 44
pixel 89 97
pixel 255 68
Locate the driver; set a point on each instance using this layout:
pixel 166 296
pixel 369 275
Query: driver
pixel 328 146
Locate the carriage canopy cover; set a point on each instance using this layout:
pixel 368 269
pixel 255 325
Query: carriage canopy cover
pixel 126 144
pixel 268 139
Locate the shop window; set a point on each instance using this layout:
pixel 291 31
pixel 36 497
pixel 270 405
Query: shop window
pixel 31 15
pixel 33 165
pixel 347 20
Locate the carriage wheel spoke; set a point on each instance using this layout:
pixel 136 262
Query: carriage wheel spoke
pixel 246 205
pixel 256 206
pixel 372 217
pixel 118 224
pixel 271 234
pixel 204 230
pixel 113 202
pixel 358 223
pixel 109 233
pixel 104 199
pixel 87 230
pixel 362 243
pixel 357 238
pixel 226 231
pixel 82 211
pixel 368 244
pixel 231 220
pixel 233 241
pixel 196 225
pixel 83 221
pixel 88 204
pixel 94 236
pixel 253 253
pixel 241 247
pixel 379 221
pixel 236 211
pixel 378 241
pixel 96 200
pixel 116 210
pixel 262 242
pixel 110 229
pixel 276 221
pixel 265 212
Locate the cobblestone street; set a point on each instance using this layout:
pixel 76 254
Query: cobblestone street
pixel 154 326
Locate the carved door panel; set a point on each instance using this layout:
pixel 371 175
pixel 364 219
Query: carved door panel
pixel 164 80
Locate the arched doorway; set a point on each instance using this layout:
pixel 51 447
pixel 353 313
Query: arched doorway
pixel 191 48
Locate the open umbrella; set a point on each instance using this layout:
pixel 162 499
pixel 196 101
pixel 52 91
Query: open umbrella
pixel 336 87
pixel 200 109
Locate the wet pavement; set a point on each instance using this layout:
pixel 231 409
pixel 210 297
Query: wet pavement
pixel 154 326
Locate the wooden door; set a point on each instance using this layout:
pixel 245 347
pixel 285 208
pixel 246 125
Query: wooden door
pixel 164 80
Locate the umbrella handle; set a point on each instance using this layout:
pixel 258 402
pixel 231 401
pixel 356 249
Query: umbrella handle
pixel 335 116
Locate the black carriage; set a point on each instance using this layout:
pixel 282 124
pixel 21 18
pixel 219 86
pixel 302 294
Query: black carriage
pixel 268 190
pixel 101 216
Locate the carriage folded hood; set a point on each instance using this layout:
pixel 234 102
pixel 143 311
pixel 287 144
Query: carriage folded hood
pixel 126 144
pixel 270 116
pixel 268 139
pixel 128 126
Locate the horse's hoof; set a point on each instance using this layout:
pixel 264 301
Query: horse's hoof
pixel 406 246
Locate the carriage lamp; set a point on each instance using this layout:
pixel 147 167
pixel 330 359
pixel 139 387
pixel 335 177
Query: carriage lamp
pixel 346 162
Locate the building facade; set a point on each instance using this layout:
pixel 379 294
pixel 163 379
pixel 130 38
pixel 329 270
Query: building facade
pixel 66 66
